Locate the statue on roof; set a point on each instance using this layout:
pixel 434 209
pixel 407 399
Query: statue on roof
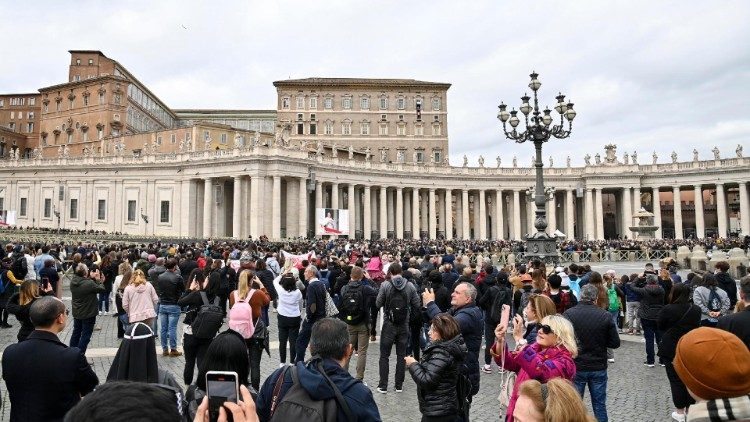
pixel 481 161
pixel 654 157
pixel 515 161
pixel 674 157
pixel 597 159
pixel 695 154
pixel 587 159
pixel 466 161
pixel 738 151
pixel 499 161
pixel 635 157
pixel 716 153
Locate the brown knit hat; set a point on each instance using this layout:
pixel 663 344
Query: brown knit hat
pixel 713 363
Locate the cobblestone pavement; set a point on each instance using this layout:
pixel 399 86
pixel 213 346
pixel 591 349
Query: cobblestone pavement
pixel 634 393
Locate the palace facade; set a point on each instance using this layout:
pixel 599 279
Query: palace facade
pixel 102 152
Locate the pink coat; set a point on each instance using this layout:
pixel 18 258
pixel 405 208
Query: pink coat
pixel 534 362
pixel 139 302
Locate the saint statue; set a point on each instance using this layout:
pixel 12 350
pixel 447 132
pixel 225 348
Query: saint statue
pixel 481 161
pixel 587 159
pixel 674 157
pixel 597 159
pixel 367 154
pixel 626 158
pixel 654 157
pixel 383 155
pixel 738 151
pixel 695 154
pixel 499 160
pixel 567 161
pixel 551 163
pixel 466 161
pixel 515 161
pixel 635 157
pixel 716 153
pixel 334 150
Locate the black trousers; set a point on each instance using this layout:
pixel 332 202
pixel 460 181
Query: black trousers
pixel 414 346
pixel 288 332
pixel 373 318
pixel 680 396
pixel 195 349
pixel 255 353
pixel 390 335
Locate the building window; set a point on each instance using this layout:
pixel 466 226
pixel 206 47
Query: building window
pixel 164 212
pixel 401 130
pixel 173 138
pixel 85 100
pixel 384 103
pixel 118 98
pixel 47 207
pixel 285 103
pixel 418 130
pixel 313 129
pixel 383 131
pixel 73 208
pixel 29 127
pixel 364 103
pixel 46 107
pixel 401 103
pixel 329 127
pixel 101 211
pixel 101 98
pixel 72 103
pixel 346 103
pixel 206 135
pixel 70 137
pixel 2 102
pixel 314 103
pixel 300 117
pixel 224 138
pixel 328 103
pixel 78 62
pixel 44 140
pixel 436 156
pixel 300 128
pixel 22 211
pixel 131 210
pixel 346 128
pixel 436 103
pixel 57 105
pixel 364 128
pixel 437 130
pixel 32 101
pixel 420 156
pixel 91 62
pixel 300 102
pixel 100 133
pixel 85 135
pixel 12 126
pixel 30 115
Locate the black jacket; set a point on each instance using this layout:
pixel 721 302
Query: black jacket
pixel 45 378
pixel 22 314
pixel 675 320
pixel 488 298
pixel 193 301
pixel 595 331
pixel 436 376
pixel 652 300
pixel 169 287
pixel 738 324
pixel 727 283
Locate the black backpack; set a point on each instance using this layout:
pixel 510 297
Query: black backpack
pixel 297 405
pixel 20 267
pixel 208 319
pixel 714 301
pixel 463 394
pixel 227 282
pixel 352 306
pixel 397 306
pixel 502 297
pixel 525 295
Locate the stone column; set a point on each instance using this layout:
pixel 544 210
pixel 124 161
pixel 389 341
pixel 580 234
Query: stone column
pixel 350 206
pixel 415 213
pixel 721 209
pixel 482 216
pixel 465 213
pixel 530 216
pixel 237 208
pixel 499 217
pixel 303 211
pixel 552 215
pixel 627 213
pixel 459 218
pixel 432 215
pixel 399 213
pixel 516 215
pixel 383 212
pixel 599 215
pixel 590 223
pixel 700 223
pixel 570 214
pixel 208 199
pixel 448 215
pixel 744 209
pixel 318 195
pixel 392 212
pixel 276 208
pixel 656 200
pixel 334 195
pixel 636 200
pixel 424 212
pixel 367 214
pixel 677 210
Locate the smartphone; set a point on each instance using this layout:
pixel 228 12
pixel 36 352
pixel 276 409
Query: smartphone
pixel 221 386
pixel 505 316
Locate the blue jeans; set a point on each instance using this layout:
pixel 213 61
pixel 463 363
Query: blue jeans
pixel 125 323
pixel 597 382
pixel 104 301
pixel 169 316
pixel 82 329
pixel 650 333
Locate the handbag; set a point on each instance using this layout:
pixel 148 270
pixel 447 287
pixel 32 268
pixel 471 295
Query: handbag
pixel 331 309
pixel 507 382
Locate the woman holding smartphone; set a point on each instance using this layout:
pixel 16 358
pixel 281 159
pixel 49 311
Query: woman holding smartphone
pixel 551 356
pixel 251 290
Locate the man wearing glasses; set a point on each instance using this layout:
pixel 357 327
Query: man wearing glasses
pixel 45 378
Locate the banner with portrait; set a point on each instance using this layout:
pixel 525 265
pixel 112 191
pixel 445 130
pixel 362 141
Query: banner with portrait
pixel 331 221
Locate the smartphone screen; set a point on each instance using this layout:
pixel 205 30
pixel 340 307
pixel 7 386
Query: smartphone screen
pixel 505 316
pixel 220 387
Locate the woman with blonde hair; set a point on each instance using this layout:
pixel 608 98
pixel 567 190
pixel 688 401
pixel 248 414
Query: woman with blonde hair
pixel 250 292
pixel 551 356
pixel 557 400
pixel 139 300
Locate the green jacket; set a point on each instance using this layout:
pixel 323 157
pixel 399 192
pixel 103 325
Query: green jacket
pixel 85 296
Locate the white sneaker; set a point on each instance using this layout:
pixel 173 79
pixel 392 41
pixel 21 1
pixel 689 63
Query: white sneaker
pixel 101 313
pixel 281 365
pixel 679 417
pixel 487 369
pixel 611 360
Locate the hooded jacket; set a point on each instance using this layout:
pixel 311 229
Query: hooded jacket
pixel 652 300
pixel 436 376
pixel 388 289
pixel 470 320
pixel 357 396
pixel 85 300
pixel 727 283
pixel 140 302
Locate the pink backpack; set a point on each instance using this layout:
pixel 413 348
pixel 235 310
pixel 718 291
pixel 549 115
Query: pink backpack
pixel 241 316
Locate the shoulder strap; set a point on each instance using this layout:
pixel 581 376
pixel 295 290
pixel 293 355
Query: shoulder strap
pixel 277 387
pixel 339 397
pixel 204 298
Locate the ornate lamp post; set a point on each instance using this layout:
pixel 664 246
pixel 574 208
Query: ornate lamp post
pixel 539 129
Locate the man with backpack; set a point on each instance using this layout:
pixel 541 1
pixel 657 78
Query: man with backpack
pixel 496 294
pixel 354 311
pixel 563 300
pixel 321 390
pixel 399 299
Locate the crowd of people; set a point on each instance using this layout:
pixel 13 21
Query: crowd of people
pixel 550 332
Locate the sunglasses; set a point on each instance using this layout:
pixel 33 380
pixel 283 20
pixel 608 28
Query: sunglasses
pixel 544 328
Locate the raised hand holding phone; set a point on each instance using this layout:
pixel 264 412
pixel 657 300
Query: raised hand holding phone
pixel 502 327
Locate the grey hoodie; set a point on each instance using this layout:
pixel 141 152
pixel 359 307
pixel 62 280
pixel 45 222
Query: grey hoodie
pixel 399 283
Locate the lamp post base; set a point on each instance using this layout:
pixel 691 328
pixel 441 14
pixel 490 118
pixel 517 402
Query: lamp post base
pixel 543 247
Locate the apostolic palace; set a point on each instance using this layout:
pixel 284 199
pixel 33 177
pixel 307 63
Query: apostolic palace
pixel 101 151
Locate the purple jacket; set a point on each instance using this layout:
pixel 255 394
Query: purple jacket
pixel 535 362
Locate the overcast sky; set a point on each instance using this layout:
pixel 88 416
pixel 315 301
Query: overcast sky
pixel 646 75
